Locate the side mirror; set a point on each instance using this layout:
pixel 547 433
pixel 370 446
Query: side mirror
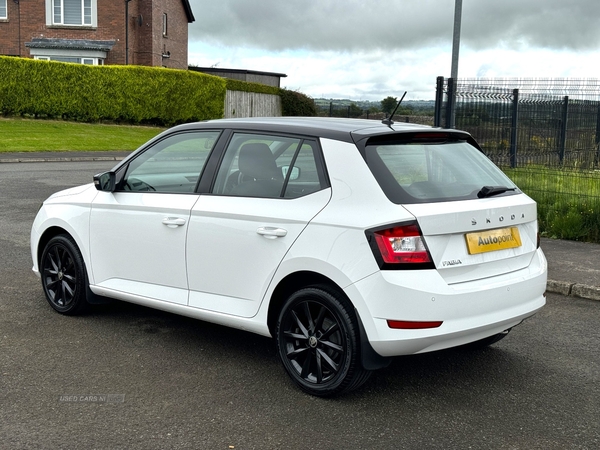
pixel 295 172
pixel 105 181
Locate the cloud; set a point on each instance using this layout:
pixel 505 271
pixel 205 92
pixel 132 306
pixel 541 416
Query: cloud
pixel 354 25
pixel 372 49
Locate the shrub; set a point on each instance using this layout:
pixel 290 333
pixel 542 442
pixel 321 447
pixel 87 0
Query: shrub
pixel 294 103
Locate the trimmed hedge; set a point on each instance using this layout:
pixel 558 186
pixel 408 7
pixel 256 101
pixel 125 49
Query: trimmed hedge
pixel 245 86
pixel 132 94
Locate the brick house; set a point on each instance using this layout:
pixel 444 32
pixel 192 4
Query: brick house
pixel 96 32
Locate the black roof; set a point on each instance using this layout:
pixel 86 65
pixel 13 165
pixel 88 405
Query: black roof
pixel 324 127
pixel 210 70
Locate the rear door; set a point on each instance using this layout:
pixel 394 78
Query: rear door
pixel 266 191
pixel 474 220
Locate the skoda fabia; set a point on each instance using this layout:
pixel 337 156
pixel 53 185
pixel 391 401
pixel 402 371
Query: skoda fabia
pixel 347 241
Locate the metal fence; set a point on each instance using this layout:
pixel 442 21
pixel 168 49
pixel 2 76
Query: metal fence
pixel 545 134
pixel 337 109
pixel 519 122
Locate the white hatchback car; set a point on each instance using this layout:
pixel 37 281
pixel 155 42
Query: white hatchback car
pixel 348 241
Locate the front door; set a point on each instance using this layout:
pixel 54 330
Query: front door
pixel 138 233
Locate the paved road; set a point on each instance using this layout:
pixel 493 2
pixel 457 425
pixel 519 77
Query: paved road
pixel 179 383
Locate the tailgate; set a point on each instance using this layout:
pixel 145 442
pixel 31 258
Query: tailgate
pixel 480 238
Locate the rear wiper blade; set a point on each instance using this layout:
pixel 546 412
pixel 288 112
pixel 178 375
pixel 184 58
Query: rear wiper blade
pixel 489 191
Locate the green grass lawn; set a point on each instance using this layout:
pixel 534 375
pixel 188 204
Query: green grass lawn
pixel 28 135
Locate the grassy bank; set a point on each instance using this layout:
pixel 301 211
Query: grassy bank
pixel 28 135
pixel 568 200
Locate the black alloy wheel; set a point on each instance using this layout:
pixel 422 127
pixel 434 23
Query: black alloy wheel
pixel 318 342
pixel 63 275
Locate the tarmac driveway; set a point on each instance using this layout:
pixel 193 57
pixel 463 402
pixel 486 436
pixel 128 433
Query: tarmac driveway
pixel 130 377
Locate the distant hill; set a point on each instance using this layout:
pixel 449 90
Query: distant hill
pixel 417 107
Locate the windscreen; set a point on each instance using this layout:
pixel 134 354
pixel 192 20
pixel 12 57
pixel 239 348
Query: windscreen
pixel 441 170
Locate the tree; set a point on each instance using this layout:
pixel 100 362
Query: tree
pixel 354 110
pixel 388 104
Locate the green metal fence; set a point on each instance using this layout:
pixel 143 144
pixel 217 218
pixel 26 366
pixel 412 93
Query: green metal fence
pixel 545 134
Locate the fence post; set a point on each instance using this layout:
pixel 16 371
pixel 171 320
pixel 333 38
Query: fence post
pixel 597 158
pixel 330 109
pixel 563 130
pixel 514 126
pixel 439 100
pixel 450 105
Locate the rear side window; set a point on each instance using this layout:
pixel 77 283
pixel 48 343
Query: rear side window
pixel 441 170
pixel 269 166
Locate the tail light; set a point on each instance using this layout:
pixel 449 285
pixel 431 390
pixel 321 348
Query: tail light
pixel 400 246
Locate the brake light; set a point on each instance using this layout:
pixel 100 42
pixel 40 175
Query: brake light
pixel 402 244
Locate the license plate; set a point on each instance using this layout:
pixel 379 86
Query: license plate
pixel 493 240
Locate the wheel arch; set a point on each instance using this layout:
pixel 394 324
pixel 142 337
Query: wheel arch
pixel 290 284
pixel 55 230
pixel 370 359
pixel 46 236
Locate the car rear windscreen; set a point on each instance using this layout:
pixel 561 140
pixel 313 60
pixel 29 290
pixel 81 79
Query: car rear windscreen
pixel 434 170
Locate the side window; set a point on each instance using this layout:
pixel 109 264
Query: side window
pixel 268 167
pixel 172 165
pixel 304 176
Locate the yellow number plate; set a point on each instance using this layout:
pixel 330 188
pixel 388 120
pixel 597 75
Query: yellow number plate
pixel 492 240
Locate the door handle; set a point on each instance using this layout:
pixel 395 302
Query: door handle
pixel 271 232
pixel 173 222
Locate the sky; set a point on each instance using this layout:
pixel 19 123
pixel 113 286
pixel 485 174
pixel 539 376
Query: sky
pixel 371 49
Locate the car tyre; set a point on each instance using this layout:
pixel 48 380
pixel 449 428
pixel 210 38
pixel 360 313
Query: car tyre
pixel 63 274
pixel 318 342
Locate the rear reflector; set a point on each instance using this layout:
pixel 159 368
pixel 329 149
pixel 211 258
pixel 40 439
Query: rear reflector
pixel 410 325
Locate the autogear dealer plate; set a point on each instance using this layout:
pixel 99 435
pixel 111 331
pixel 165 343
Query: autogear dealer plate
pixel 492 240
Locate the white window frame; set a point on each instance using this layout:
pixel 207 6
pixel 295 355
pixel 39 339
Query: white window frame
pixel 82 60
pixel 3 7
pixel 93 14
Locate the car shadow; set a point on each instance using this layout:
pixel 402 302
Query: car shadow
pixel 427 375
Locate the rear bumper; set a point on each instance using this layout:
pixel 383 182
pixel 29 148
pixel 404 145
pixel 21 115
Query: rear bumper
pixel 469 311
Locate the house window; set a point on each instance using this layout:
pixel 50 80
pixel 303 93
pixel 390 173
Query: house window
pixel 72 59
pixel 164 24
pixel 3 10
pixel 73 12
